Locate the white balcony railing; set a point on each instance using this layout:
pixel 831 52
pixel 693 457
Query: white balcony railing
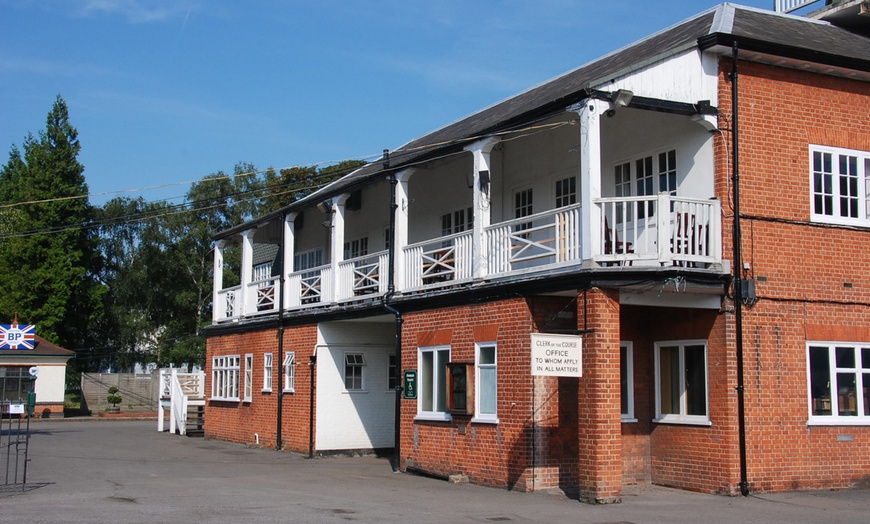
pixel 441 261
pixel 551 237
pixel 643 231
pixel 363 276
pixel 659 230
pixel 310 287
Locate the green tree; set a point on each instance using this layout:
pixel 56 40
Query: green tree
pixel 48 256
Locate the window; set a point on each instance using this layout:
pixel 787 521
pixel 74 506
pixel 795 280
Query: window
pixel 650 180
pixel 486 383
pixel 667 172
pixel 290 372
pixel 267 372
pixel 16 383
pixel 457 221
pixel 353 371
pixel 249 377
pixel 622 188
pixel 523 207
pixel 839 383
pixel 566 191
pixel 681 382
pixel 262 272
pixel 626 381
pixel 356 248
pixel 840 185
pixel 432 379
pixel 391 373
pixel 225 377
pixel 308 259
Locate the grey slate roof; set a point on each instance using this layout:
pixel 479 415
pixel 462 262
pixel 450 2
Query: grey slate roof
pixel 756 30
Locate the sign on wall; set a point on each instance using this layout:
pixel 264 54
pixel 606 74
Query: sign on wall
pixel 556 355
pixel 16 336
pixel 410 389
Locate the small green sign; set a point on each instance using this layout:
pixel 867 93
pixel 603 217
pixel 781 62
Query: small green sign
pixel 410 383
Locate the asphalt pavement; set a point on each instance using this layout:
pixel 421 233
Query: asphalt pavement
pixel 97 471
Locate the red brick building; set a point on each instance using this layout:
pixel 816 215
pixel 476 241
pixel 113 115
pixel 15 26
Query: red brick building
pixel 594 212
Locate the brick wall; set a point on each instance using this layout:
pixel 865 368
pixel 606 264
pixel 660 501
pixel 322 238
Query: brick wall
pixel 800 269
pixel 245 422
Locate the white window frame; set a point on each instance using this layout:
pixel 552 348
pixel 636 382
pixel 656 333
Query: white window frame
pixel 563 197
pixel 480 368
pixel 225 377
pixel 355 360
pixel 308 259
pixel 437 389
pixel 267 372
pixel 290 372
pixel 682 417
pixel 628 380
pixel 249 377
pixel 860 371
pixel 835 207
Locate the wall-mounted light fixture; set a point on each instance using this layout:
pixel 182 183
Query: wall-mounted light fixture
pixel 619 98
pixel 325 206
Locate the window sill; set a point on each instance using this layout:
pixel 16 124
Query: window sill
pixel 355 392
pixel 266 390
pixel 433 417
pixel 628 420
pixel 224 399
pixel 684 421
pixel 493 421
pixel 838 421
pixel 289 391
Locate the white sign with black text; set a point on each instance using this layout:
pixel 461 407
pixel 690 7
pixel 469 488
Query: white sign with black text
pixel 556 355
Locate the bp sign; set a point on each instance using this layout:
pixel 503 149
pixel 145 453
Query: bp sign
pixel 16 336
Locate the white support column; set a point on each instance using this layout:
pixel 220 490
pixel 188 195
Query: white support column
pixel 336 243
pixel 400 236
pixel 218 310
pixel 289 252
pixel 247 271
pixel 481 199
pixel 590 176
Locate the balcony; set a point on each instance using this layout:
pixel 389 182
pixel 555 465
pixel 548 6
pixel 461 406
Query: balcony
pixel 631 232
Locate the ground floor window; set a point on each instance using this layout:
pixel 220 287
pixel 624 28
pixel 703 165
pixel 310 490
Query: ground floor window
pixel 267 372
pixel 16 382
pixel 225 377
pixel 681 382
pixel 353 371
pixel 486 383
pixel 290 372
pixel 432 387
pixel 626 381
pixel 249 377
pixel 839 383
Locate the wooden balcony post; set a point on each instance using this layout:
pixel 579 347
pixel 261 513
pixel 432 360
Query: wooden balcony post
pixel 400 235
pixel 289 252
pixel 482 181
pixel 218 310
pixel 590 177
pixel 336 246
pixel 247 273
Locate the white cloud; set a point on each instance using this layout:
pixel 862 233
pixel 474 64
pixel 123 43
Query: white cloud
pixel 138 11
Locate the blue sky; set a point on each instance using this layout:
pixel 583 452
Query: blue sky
pixel 166 92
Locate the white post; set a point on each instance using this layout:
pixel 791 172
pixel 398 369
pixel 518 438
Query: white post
pixel 481 191
pixel 336 245
pixel 247 271
pixel 590 176
pixel 289 251
pixel 218 310
pixel 400 236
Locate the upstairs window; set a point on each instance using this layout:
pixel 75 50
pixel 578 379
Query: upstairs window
pixel 566 192
pixel 356 248
pixel 457 221
pixel 840 182
pixel 308 259
pixel 622 188
pixel 523 207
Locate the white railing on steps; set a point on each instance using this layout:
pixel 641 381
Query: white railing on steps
pixel 176 391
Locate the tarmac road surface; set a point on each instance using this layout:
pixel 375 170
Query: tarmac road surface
pixel 120 471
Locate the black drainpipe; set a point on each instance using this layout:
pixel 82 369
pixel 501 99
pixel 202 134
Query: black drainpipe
pixel 738 281
pixel 391 289
pixel 280 364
